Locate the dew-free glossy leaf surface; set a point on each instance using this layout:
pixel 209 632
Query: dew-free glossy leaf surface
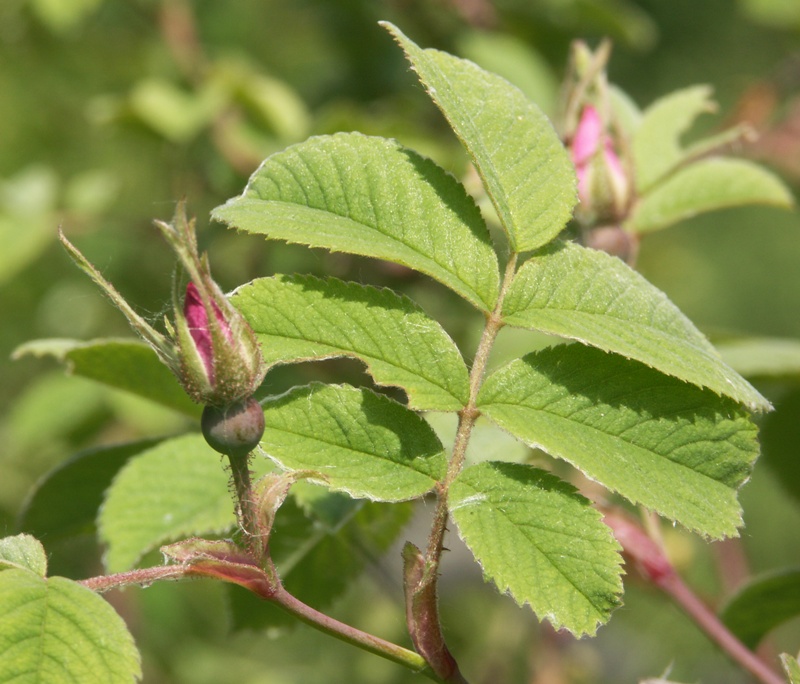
pixel 54 631
pixel 363 443
pixel 128 365
pixel 705 186
pixel 660 442
pixel 587 295
pixel 538 539
pixel 522 163
pixel 301 318
pixel 762 604
pixel 177 488
pixel 371 196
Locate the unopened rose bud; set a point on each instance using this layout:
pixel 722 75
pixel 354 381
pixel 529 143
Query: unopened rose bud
pixel 210 348
pixel 603 184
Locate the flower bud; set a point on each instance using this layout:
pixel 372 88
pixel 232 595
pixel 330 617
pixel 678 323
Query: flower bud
pixel 211 348
pixel 603 184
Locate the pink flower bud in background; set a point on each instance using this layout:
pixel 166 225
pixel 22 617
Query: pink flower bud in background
pixel 603 184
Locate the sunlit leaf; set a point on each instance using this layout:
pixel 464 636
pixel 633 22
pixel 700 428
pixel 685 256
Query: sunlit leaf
pixel 54 630
pixel 24 552
pixel 538 539
pixel 364 195
pixel 522 163
pixel 360 442
pixel 302 318
pixel 587 295
pixel 128 365
pixel 660 442
pixel 705 186
pixel 177 488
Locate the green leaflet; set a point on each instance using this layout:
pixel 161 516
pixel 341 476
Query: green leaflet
pixel 522 163
pixel 541 541
pixel 24 552
pixel 656 147
pixel 705 186
pixel 54 630
pixel 762 604
pixel 668 445
pixel 302 318
pixel 65 502
pixel 360 442
pixel 128 365
pixel 177 488
pixel 589 296
pixel 371 196
pixel 792 668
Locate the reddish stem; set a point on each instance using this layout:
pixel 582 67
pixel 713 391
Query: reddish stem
pixel 654 565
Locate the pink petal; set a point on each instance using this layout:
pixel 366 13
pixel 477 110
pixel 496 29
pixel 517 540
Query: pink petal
pixel 197 320
pixel 587 136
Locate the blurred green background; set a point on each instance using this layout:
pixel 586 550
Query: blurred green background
pixel 112 110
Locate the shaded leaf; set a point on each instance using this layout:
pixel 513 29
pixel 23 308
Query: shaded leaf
pixel 55 630
pixel 541 541
pixel 523 165
pixel 67 500
pixel 177 488
pixel 705 186
pixel 360 442
pixel 668 445
pixel 364 195
pixel 128 365
pixel 761 605
pixel 301 318
pixel 587 295
pixel 305 547
pixel 779 436
pixel 23 552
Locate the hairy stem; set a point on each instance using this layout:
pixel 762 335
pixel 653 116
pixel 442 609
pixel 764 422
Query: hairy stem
pixel 422 572
pixel 466 421
pixel 246 509
pixel 143 577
